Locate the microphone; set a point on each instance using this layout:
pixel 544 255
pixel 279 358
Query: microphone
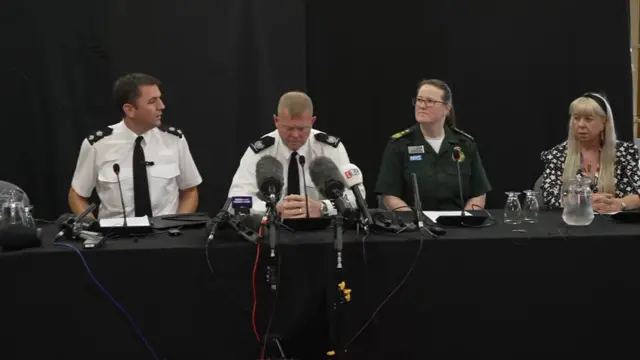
pixel 116 169
pixel 302 161
pixel 352 176
pixel 433 229
pixel 457 155
pixel 269 179
pixel 327 178
pixel 223 215
pixel 462 219
pixel 67 222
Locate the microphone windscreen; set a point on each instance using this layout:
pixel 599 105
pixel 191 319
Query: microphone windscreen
pixel 116 168
pixel 269 175
pixel 351 175
pixel 16 237
pixel 326 176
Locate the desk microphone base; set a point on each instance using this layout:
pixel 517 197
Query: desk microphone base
pixel 461 220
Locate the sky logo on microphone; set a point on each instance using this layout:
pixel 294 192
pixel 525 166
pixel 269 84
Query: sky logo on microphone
pixel 351 173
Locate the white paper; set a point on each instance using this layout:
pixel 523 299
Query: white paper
pixel 433 215
pixel 133 221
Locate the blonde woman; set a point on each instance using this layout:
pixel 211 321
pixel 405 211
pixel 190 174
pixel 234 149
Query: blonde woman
pixel 592 150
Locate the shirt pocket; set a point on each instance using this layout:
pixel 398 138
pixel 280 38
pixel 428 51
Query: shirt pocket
pixel 108 187
pixel 451 179
pixel 310 190
pixel 163 179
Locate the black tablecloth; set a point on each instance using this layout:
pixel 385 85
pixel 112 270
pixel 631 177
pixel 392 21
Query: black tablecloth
pixel 511 290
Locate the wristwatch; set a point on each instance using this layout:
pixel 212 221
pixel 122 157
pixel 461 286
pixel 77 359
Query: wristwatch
pixel 325 209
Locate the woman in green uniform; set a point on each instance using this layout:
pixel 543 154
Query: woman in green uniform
pixel 431 149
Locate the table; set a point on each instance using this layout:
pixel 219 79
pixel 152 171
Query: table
pixel 547 289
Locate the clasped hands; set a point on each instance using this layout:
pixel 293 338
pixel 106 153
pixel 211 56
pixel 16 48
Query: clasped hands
pixel 294 207
pixel 606 203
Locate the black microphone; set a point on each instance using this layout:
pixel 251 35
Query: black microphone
pixel 302 161
pixel 462 219
pixel 116 169
pixel 327 178
pixel 222 216
pixel 269 179
pixel 68 222
pixel 149 163
pixel 456 157
pixel 417 203
pixel 18 237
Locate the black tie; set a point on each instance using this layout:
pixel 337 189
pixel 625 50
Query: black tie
pixel 293 181
pixel 140 181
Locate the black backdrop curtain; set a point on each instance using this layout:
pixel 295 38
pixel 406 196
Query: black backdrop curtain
pixel 514 67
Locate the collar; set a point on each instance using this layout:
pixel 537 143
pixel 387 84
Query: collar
pixel 287 152
pixel 129 135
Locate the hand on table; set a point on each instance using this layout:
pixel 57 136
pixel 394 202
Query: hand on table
pixel 294 207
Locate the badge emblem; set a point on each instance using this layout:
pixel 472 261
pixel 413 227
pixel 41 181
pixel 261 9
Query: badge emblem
pixel 458 155
pixel 332 139
pixel 415 149
pixel 258 145
pixel 99 133
pixel 415 158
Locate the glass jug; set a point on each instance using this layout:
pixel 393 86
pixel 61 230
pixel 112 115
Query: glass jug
pixel 576 201
pixel 12 209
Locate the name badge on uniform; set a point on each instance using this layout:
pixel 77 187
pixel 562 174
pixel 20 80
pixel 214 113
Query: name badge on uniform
pixel 416 149
pixel 415 158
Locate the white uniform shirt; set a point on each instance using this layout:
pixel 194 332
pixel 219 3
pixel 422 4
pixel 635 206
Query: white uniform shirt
pixel 244 181
pixel 173 169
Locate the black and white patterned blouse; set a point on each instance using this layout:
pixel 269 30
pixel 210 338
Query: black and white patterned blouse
pixel 626 172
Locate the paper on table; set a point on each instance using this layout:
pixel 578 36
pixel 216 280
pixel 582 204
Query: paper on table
pixel 433 215
pixel 133 221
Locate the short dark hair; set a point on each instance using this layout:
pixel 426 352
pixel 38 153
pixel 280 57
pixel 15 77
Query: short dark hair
pixel 446 97
pixel 126 90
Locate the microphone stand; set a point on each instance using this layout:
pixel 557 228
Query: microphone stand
pixel 338 293
pixel 272 271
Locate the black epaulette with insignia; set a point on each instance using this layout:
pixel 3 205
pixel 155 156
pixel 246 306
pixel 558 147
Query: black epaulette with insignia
pixel 455 129
pixel 402 133
pixel 264 143
pixel 328 139
pixel 98 135
pixel 171 130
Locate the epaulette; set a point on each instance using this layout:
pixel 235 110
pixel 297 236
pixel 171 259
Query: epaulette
pixel 327 139
pixel 402 133
pixel 264 143
pixel 171 130
pixel 98 135
pixel 455 129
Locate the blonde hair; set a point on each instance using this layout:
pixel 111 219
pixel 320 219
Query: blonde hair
pixel 296 103
pixel 586 105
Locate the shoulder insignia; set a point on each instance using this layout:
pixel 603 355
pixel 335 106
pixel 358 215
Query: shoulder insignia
pixel 402 133
pixel 264 143
pixel 98 135
pixel 171 130
pixel 455 129
pixel 328 139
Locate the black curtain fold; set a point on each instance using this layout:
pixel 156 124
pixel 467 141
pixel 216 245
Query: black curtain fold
pixel 514 67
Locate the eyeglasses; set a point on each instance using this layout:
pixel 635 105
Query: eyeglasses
pixel 426 102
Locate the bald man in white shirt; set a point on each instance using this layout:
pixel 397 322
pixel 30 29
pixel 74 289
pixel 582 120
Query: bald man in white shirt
pixel 157 173
pixel 294 137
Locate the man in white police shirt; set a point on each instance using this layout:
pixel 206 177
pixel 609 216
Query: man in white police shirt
pixel 156 170
pixel 293 137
